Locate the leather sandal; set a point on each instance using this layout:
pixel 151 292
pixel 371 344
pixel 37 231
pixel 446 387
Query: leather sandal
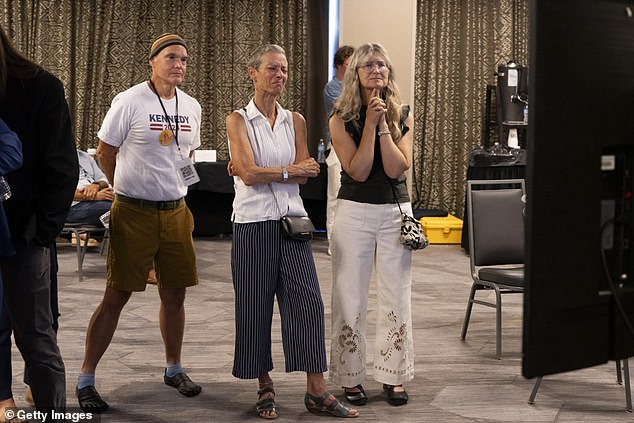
pixel 90 401
pixel 395 398
pixel 357 397
pixel 266 407
pixel 317 405
pixel 183 384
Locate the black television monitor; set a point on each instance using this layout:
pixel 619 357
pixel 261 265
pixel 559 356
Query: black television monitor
pixel 579 183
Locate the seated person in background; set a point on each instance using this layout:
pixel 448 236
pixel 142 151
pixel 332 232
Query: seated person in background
pixel 93 196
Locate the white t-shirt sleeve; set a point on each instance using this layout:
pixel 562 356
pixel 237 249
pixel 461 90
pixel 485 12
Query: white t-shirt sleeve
pixel 116 124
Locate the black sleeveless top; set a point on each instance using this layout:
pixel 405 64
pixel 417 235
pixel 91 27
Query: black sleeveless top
pixel 376 189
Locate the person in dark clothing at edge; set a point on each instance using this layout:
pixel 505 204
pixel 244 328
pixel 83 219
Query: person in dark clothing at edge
pixel 33 105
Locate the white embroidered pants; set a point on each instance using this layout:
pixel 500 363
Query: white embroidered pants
pixel 334 183
pixel 366 237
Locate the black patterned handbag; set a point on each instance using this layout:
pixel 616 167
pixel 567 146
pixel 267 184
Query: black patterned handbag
pixel 412 234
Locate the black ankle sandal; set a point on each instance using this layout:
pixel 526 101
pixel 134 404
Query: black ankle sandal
pixel 356 397
pixel 395 397
pixel 266 407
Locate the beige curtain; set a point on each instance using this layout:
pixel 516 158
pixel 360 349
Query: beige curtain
pixel 459 44
pixel 100 48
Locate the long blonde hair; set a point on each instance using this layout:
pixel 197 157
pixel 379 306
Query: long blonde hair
pixel 350 101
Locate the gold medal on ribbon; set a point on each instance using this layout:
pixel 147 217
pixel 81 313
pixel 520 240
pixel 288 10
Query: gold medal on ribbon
pixel 166 137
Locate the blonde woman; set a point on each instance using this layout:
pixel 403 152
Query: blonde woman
pixel 372 134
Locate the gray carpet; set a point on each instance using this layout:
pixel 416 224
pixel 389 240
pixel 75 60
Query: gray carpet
pixel 455 381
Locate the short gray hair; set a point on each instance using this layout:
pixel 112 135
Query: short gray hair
pixel 256 56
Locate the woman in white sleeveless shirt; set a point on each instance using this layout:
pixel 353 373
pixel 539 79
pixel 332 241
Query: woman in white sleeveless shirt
pixel 269 159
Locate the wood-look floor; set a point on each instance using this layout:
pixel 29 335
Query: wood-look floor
pixel 455 381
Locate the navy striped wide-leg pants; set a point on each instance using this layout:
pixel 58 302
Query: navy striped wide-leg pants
pixel 265 265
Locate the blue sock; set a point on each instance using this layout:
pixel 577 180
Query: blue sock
pixel 85 379
pixel 173 369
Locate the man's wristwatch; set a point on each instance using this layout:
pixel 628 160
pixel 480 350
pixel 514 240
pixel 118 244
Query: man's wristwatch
pixel 284 174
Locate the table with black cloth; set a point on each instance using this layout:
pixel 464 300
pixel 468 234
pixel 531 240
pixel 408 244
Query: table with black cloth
pixel 211 199
pixel 492 165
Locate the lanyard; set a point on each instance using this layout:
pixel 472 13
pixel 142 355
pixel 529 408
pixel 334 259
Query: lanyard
pixel 169 122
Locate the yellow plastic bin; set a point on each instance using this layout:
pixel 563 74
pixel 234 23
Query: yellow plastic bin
pixel 442 230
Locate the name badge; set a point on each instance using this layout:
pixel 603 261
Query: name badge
pixel 187 171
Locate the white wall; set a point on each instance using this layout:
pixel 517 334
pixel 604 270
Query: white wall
pixel 391 23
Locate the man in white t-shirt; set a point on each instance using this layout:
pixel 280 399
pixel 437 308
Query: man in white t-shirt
pixel 144 146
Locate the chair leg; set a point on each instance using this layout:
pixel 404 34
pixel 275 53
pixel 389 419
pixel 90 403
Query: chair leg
pixel 628 391
pixel 498 323
pixel 467 315
pixel 538 382
pixel 626 379
pixel 81 254
pixel 82 243
pixel 104 242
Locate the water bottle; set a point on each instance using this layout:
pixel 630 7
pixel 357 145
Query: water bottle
pixel 5 189
pixel 321 151
pixel 526 114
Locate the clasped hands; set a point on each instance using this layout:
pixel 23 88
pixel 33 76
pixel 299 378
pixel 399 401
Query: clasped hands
pixel 377 109
pixel 93 193
pixel 307 168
